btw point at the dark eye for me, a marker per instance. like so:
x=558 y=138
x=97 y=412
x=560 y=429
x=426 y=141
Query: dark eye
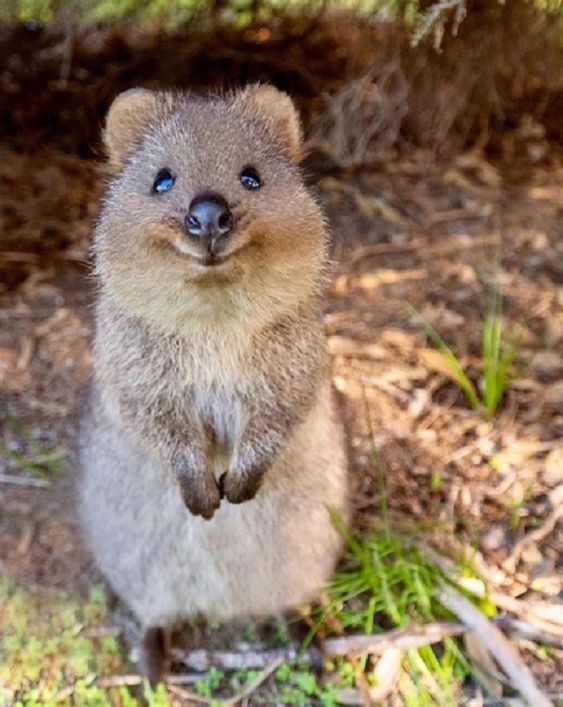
x=164 y=181
x=250 y=179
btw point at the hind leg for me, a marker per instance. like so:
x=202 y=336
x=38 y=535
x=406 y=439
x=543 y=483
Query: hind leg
x=153 y=659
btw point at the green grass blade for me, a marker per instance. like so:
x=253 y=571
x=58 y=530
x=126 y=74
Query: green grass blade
x=455 y=366
x=38 y=465
x=497 y=363
x=42 y=462
x=391 y=608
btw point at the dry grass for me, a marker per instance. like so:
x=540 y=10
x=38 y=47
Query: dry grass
x=497 y=69
x=377 y=101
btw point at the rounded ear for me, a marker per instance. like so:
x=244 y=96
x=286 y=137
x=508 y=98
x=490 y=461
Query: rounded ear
x=128 y=119
x=276 y=109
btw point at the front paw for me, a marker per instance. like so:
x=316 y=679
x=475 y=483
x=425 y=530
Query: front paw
x=201 y=499
x=239 y=486
x=199 y=489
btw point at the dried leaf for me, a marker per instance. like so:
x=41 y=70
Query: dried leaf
x=553 y=473
x=343 y=346
x=436 y=361
x=386 y=674
x=372 y=280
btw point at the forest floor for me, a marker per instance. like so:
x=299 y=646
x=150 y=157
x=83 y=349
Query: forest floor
x=439 y=236
x=413 y=231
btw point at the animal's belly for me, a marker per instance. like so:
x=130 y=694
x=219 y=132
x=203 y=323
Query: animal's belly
x=250 y=559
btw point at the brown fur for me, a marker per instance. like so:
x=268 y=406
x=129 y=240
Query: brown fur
x=211 y=382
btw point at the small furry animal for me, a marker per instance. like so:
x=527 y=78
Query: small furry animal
x=210 y=449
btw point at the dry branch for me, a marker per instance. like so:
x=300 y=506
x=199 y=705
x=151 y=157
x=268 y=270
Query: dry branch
x=535 y=536
x=541 y=614
x=119 y=681
x=355 y=645
x=504 y=653
x=202 y=659
x=403 y=639
x=255 y=684
x=190 y=697
x=423 y=250
x=24 y=481
x=371 y=251
x=527 y=630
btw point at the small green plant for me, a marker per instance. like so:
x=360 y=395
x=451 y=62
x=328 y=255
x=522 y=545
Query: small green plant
x=517 y=506
x=497 y=359
x=297 y=685
x=210 y=682
x=388 y=583
x=53 y=648
x=42 y=463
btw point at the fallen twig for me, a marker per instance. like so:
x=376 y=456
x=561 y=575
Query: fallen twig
x=119 y=681
x=384 y=249
x=402 y=638
x=345 y=346
x=203 y=660
x=542 y=614
x=421 y=247
x=18 y=256
x=105 y=683
x=355 y=645
x=24 y=481
x=386 y=673
x=504 y=653
x=525 y=629
x=534 y=536
x=109 y=682
x=185 y=679
x=255 y=684
x=455 y=215
x=191 y=697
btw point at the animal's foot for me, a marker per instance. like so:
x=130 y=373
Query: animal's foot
x=153 y=660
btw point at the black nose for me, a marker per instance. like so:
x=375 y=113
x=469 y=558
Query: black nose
x=209 y=218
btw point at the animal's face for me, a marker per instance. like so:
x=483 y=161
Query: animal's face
x=208 y=215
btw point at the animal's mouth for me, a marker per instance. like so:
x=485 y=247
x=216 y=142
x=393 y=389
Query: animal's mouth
x=215 y=260
x=205 y=259
x=211 y=260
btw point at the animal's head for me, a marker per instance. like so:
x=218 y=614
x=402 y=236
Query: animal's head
x=207 y=216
